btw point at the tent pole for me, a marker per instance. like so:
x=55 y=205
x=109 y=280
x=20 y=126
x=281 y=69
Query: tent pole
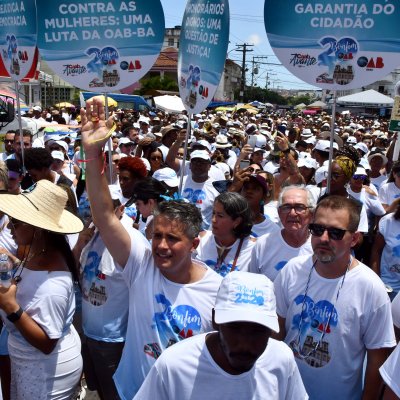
x=328 y=187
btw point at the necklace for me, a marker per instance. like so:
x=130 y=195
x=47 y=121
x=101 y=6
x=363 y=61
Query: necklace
x=18 y=271
x=296 y=344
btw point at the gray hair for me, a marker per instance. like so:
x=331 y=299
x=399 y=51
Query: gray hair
x=184 y=213
x=311 y=203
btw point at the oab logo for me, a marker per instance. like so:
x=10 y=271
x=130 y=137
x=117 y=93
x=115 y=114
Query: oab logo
x=370 y=64
x=203 y=91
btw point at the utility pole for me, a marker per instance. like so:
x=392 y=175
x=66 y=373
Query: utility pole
x=255 y=66
x=269 y=74
x=243 y=48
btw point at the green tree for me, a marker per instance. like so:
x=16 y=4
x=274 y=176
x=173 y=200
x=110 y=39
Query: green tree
x=158 y=83
x=306 y=99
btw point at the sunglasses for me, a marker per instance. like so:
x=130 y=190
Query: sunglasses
x=333 y=233
x=359 y=177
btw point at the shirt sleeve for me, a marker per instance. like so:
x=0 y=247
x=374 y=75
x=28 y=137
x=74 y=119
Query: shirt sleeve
x=282 y=305
x=390 y=371
x=383 y=195
x=254 y=264
x=51 y=313
x=396 y=310
x=139 y=259
x=295 y=387
x=153 y=387
x=377 y=326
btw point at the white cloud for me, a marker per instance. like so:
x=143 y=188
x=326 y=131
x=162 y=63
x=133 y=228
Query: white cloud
x=254 y=39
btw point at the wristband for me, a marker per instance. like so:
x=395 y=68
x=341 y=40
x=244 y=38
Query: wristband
x=287 y=151
x=15 y=316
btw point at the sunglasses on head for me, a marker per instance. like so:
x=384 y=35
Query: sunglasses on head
x=333 y=233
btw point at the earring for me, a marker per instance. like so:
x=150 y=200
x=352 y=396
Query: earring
x=262 y=203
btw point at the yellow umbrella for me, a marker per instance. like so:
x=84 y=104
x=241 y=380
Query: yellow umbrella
x=222 y=108
x=111 y=102
x=64 y=104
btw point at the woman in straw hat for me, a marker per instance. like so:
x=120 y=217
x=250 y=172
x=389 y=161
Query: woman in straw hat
x=39 y=305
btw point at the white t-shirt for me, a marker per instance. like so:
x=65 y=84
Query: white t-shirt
x=264 y=227
x=390 y=371
x=377 y=182
x=371 y=202
x=104 y=292
x=396 y=310
x=188 y=371
x=389 y=228
x=214 y=173
x=6 y=239
x=388 y=192
x=161 y=313
x=271 y=212
x=271 y=253
x=207 y=252
x=360 y=319
x=202 y=195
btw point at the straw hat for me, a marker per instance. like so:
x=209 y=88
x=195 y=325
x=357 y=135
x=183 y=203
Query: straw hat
x=42 y=206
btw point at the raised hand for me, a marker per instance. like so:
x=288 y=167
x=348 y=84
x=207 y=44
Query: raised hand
x=95 y=128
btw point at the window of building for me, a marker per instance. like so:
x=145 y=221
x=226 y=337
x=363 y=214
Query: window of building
x=171 y=42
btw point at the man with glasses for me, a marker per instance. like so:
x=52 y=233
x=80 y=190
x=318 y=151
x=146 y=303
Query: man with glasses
x=333 y=310
x=273 y=250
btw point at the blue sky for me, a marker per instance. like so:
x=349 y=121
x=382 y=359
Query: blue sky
x=246 y=26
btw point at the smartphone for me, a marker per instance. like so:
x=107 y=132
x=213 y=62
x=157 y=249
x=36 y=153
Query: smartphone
x=244 y=164
x=252 y=140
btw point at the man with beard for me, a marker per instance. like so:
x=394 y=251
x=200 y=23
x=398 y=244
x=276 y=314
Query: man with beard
x=333 y=309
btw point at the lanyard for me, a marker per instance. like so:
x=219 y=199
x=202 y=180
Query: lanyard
x=221 y=257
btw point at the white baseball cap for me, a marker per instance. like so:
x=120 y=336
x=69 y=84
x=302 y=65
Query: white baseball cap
x=321 y=174
x=246 y=297
x=323 y=145
x=124 y=140
x=362 y=146
x=200 y=154
x=351 y=140
x=167 y=175
x=58 y=155
x=307 y=162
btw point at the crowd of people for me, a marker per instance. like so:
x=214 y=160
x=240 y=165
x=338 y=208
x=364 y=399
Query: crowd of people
x=135 y=231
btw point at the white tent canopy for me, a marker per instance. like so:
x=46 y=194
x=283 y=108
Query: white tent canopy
x=317 y=104
x=367 y=98
x=167 y=103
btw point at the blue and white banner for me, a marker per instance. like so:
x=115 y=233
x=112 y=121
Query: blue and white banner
x=18 y=36
x=100 y=45
x=335 y=45
x=202 y=51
